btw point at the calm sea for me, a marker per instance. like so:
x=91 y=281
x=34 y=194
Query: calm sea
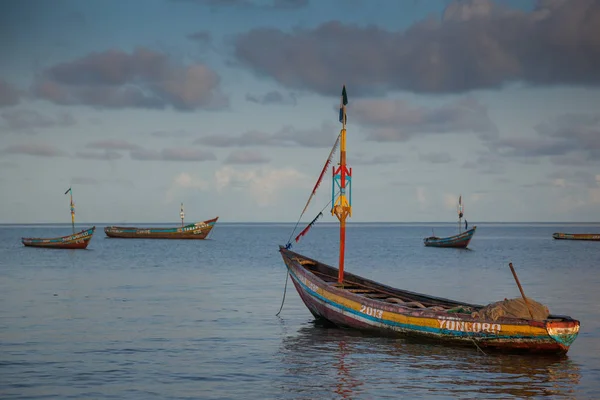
x=159 y=319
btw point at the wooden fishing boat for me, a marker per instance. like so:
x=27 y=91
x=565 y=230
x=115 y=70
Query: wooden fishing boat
x=199 y=230
x=79 y=240
x=351 y=301
x=457 y=241
x=576 y=236
x=363 y=304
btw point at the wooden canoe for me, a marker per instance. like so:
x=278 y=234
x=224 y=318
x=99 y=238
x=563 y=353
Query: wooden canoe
x=199 y=230
x=363 y=304
x=79 y=240
x=576 y=236
x=461 y=240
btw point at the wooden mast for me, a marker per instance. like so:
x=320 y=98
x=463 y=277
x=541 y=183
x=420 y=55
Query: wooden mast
x=181 y=214
x=342 y=179
x=70 y=191
x=460 y=213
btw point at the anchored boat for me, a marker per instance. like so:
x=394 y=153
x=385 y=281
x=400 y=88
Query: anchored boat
x=79 y=240
x=351 y=301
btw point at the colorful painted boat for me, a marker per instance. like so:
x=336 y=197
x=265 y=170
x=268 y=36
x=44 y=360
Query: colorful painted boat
x=79 y=240
x=350 y=301
x=366 y=305
x=576 y=236
x=199 y=230
x=457 y=241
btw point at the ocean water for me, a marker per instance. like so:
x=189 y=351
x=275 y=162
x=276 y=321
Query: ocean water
x=160 y=319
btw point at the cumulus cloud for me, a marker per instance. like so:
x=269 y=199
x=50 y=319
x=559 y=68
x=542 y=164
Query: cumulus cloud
x=273 y=97
x=397 y=120
x=34 y=149
x=185 y=181
x=173 y=154
x=143 y=78
x=246 y=157
x=29 y=121
x=9 y=95
x=286 y=136
x=262 y=184
x=476 y=44
x=568 y=139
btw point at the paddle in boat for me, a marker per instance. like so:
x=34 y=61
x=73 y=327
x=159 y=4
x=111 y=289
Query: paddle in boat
x=79 y=240
x=576 y=236
x=350 y=301
x=198 y=230
x=461 y=240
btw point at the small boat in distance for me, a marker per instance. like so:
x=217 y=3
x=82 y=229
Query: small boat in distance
x=198 y=230
x=459 y=241
x=576 y=236
x=79 y=240
x=350 y=301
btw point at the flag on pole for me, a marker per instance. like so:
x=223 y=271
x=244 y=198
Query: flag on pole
x=68 y=191
x=343 y=103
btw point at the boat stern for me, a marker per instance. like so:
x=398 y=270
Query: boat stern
x=564 y=332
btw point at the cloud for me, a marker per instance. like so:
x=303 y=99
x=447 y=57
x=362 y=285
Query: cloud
x=262 y=184
x=286 y=136
x=436 y=158
x=273 y=97
x=185 y=181
x=106 y=155
x=9 y=96
x=364 y=159
x=142 y=79
x=113 y=144
x=29 y=121
x=568 y=139
x=398 y=120
x=173 y=154
x=246 y=157
x=34 y=149
x=476 y=44
x=251 y=4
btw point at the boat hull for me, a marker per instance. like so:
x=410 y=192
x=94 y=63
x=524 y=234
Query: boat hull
x=79 y=240
x=576 y=236
x=351 y=308
x=199 y=230
x=460 y=241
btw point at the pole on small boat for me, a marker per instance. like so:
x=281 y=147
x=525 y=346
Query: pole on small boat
x=72 y=210
x=521 y=289
x=181 y=214
x=460 y=213
x=341 y=206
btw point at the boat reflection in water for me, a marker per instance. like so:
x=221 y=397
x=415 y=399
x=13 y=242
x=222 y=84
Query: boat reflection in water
x=326 y=362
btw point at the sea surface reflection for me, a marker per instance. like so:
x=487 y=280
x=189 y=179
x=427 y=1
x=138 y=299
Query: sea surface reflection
x=356 y=365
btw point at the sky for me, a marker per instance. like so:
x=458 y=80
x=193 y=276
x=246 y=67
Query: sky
x=231 y=107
